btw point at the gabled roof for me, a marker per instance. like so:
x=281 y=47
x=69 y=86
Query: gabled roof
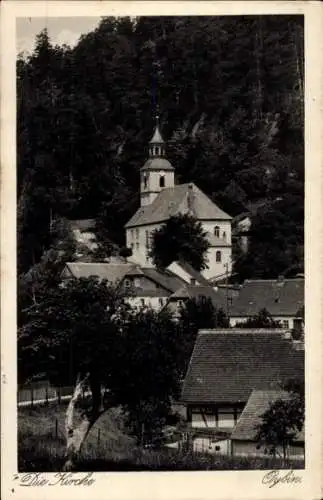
x=226 y=365
x=175 y=200
x=193 y=272
x=279 y=297
x=166 y=279
x=258 y=403
x=158 y=292
x=103 y=270
x=218 y=297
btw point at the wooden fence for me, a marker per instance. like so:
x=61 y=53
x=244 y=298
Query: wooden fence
x=42 y=393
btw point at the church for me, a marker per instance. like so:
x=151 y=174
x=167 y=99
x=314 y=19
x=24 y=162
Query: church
x=161 y=198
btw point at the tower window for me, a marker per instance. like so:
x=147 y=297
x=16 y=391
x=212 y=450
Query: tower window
x=145 y=181
x=218 y=256
x=217 y=231
x=162 y=181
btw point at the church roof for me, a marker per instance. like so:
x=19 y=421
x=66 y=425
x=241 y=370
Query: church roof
x=156 y=138
x=157 y=163
x=183 y=198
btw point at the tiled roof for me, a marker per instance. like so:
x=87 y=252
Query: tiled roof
x=111 y=272
x=258 y=403
x=171 y=201
x=226 y=365
x=140 y=292
x=193 y=272
x=218 y=297
x=280 y=298
x=165 y=279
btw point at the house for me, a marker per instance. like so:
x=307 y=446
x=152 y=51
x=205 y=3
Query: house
x=244 y=436
x=113 y=271
x=146 y=287
x=187 y=273
x=218 y=298
x=150 y=287
x=282 y=298
x=225 y=367
x=161 y=198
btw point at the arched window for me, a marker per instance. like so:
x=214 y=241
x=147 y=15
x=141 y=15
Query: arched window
x=218 y=256
x=162 y=181
x=217 y=231
x=224 y=235
x=145 y=181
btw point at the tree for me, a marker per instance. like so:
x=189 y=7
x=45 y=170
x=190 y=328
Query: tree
x=283 y=420
x=149 y=379
x=181 y=238
x=70 y=336
x=84 y=332
x=262 y=320
x=196 y=314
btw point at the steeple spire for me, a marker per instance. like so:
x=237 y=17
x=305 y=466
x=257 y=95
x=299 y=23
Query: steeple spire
x=157 y=143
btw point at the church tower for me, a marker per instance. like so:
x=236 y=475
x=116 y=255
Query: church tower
x=157 y=173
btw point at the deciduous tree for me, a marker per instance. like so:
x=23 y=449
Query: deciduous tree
x=180 y=238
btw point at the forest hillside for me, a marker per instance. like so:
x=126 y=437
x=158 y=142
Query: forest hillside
x=230 y=93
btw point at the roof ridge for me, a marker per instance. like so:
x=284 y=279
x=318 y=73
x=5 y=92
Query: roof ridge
x=275 y=280
x=230 y=330
x=102 y=263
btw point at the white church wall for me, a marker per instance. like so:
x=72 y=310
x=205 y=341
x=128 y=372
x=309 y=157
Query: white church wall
x=224 y=229
x=218 y=268
x=150 y=185
x=136 y=239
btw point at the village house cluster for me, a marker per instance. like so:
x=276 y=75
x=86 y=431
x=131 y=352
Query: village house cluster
x=234 y=373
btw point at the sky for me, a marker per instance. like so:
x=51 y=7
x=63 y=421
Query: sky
x=61 y=30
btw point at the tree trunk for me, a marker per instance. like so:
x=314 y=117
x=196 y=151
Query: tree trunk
x=75 y=436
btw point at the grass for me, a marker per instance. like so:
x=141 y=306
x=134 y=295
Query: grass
x=109 y=448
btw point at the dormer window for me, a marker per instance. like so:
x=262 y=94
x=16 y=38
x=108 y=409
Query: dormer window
x=162 y=181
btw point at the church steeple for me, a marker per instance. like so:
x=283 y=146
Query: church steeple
x=157 y=173
x=157 y=143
